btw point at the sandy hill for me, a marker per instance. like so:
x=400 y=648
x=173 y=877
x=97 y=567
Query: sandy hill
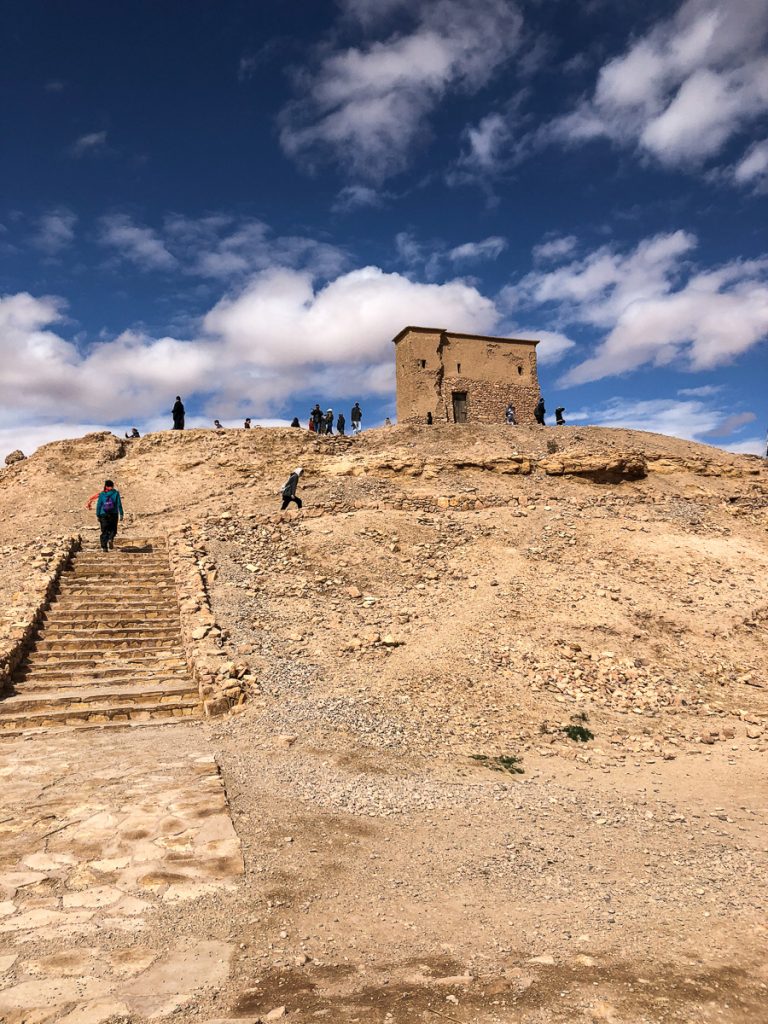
x=474 y=585
x=354 y=842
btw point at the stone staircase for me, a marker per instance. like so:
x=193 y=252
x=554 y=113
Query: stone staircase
x=109 y=651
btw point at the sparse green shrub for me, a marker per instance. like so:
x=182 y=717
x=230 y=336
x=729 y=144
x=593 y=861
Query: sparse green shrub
x=502 y=763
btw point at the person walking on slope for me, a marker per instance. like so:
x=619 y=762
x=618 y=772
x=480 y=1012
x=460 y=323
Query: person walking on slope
x=509 y=415
x=108 y=508
x=356 y=417
x=289 y=490
x=328 y=422
x=559 y=420
x=539 y=411
x=341 y=424
x=178 y=414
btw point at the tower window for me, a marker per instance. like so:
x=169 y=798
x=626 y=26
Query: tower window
x=423 y=364
x=520 y=371
x=458 y=367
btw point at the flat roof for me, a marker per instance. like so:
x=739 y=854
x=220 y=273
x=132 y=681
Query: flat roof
x=458 y=334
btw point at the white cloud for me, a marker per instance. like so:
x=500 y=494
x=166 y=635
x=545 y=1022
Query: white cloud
x=750 y=446
x=92 y=144
x=277 y=336
x=55 y=231
x=554 y=248
x=485 y=148
x=351 y=320
x=552 y=346
x=470 y=252
x=216 y=246
x=753 y=167
x=369 y=12
x=732 y=424
x=432 y=258
x=139 y=245
x=690 y=419
x=685 y=89
x=357 y=197
x=701 y=392
x=655 y=308
x=367 y=106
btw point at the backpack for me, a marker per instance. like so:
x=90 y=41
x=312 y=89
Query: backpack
x=109 y=505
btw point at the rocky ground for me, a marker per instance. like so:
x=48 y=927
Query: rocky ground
x=424 y=834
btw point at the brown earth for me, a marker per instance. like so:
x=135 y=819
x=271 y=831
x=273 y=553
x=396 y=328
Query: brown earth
x=451 y=599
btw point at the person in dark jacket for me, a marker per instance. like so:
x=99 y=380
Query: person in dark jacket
x=341 y=424
x=539 y=411
x=289 y=490
x=559 y=416
x=356 y=417
x=317 y=418
x=247 y=424
x=328 y=422
x=133 y=434
x=295 y=422
x=108 y=508
x=178 y=414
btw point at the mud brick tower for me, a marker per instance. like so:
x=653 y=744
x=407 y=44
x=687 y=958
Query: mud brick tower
x=463 y=378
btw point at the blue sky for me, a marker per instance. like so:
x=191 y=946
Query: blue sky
x=243 y=202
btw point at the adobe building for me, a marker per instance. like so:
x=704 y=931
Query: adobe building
x=463 y=378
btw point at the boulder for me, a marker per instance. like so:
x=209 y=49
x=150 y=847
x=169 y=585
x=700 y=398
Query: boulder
x=17 y=456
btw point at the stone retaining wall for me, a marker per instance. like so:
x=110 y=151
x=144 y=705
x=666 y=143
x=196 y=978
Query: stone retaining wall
x=22 y=618
x=222 y=683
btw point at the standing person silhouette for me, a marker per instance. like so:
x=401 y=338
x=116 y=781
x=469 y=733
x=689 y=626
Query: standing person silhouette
x=356 y=417
x=178 y=414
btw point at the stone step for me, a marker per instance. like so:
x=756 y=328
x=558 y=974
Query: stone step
x=67 y=603
x=107 y=563
x=126 y=713
x=116 y=588
x=106 y=646
x=116 y=580
x=88 y=698
x=97 y=557
x=68 y=631
x=86 y=619
x=109 y=653
x=98 y=727
x=66 y=659
x=124 y=675
x=140 y=684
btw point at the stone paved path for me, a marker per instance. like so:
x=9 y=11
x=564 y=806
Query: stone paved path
x=104 y=847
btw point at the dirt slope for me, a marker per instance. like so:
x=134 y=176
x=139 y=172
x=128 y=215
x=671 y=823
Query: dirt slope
x=446 y=597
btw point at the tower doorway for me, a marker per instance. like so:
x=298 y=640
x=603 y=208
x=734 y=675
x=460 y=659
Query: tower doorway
x=459 y=406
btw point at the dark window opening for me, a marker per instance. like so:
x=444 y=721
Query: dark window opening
x=458 y=367
x=520 y=370
x=423 y=364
